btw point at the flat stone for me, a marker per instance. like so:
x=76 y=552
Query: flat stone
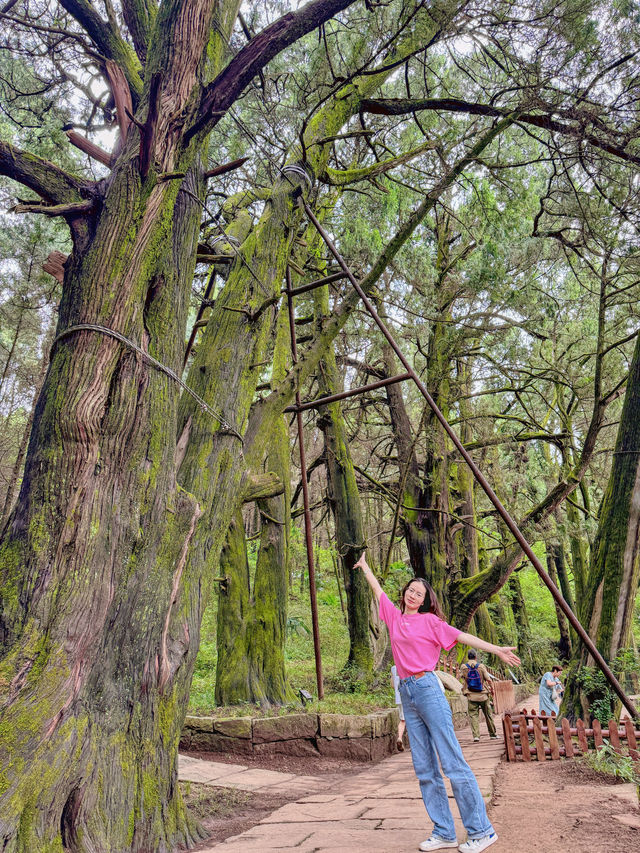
x=344 y=725
x=384 y=722
x=288 y=727
x=340 y=813
x=199 y=724
x=254 y=778
x=353 y=748
x=195 y=770
x=239 y=727
x=300 y=747
x=213 y=742
x=383 y=746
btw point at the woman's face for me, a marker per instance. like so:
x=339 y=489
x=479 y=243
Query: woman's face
x=414 y=597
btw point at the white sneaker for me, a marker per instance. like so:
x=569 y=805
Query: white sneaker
x=435 y=843
x=475 y=845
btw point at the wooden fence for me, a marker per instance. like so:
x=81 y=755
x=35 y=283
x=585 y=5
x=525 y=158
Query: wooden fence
x=536 y=736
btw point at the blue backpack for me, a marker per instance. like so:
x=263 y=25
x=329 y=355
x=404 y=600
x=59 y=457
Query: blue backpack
x=474 y=681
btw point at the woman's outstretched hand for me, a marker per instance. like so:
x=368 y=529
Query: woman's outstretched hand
x=506 y=654
x=362 y=563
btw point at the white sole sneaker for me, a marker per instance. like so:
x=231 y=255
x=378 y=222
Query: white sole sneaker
x=475 y=845
x=434 y=843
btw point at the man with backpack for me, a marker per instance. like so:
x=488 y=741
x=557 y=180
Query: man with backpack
x=477 y=689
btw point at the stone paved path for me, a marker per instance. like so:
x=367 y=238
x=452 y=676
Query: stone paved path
x=378 y=810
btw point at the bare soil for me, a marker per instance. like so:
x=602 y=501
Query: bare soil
x=224 y=812
x=559 y=806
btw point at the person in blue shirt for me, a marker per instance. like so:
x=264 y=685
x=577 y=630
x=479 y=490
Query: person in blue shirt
x=547 y=691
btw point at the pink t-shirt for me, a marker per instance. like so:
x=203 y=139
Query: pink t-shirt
x=417 y=638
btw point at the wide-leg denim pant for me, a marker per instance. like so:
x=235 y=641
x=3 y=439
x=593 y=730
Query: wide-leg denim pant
x=431 y=736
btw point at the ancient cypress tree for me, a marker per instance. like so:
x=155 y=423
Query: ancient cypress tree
x=100 y=600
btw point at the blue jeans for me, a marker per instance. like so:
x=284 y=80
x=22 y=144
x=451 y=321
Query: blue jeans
x=431 y=735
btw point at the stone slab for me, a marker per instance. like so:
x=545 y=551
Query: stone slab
x=237 y=727
x=356 y=748
x=300 y=747
x=199 y=724
x=344 y=725
x=253 y=778
x=288 y=727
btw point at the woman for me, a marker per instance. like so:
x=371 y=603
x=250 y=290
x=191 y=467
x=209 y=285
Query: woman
x=418 y=632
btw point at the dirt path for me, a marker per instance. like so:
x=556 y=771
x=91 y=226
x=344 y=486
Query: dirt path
x=555 y=807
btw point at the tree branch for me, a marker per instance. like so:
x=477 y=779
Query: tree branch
x=108 y=41
x=139 y=16
x=339 y=177
x=221 y=94
x=74 y=209
x=400 y=106
x=52 y=183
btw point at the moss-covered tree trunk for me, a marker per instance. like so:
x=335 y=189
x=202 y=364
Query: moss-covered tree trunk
x=614 y=572
x=466 y=537
x=523 y=626
x=344 y=498
x=252 y=622
x=96 y=541
x=556 y=567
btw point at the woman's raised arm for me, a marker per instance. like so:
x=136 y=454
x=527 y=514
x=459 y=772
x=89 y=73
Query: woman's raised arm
x=505 y=653
x=371 y=578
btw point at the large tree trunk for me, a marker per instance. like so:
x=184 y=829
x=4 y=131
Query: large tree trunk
x=467 y=537
x=556 y=567
x=615 y=565
x=252 y=625
x=87 y=590
x=349 y=528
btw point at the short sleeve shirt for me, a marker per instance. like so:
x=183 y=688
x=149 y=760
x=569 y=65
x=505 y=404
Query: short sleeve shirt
x=416 y=638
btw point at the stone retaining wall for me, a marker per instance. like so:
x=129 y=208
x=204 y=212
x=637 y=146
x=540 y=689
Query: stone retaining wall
x=363 y=737
x=366 y=737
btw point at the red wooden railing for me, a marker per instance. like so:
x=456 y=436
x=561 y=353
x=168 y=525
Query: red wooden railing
x=529 y=736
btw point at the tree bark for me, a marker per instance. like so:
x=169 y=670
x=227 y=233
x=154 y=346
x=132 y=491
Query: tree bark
x=344 y=498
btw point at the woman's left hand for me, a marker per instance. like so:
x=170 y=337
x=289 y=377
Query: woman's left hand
x=506 y=654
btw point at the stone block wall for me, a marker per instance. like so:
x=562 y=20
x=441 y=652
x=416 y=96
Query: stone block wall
x=367 y=737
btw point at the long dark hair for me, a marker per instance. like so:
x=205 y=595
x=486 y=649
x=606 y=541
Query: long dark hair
x=430 y=603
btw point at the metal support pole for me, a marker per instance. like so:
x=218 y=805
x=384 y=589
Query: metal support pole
x=324 y=401
x=305 y=500
x=513 y=527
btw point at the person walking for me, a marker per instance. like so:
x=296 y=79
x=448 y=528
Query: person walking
x=477 y=689
x=548 y=691
x=418 y=632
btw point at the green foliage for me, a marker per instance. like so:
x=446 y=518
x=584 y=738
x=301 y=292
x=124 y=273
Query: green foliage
x=602 y=700
x=295 y=625
x=615 y=765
